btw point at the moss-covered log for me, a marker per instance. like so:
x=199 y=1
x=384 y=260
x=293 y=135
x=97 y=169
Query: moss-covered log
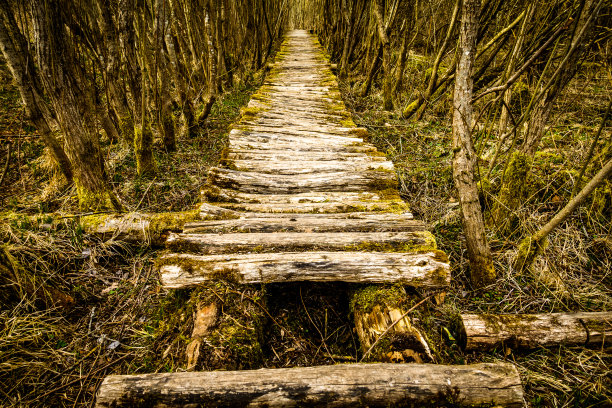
x=349 y=385
x=141 y=228
x=386 y=332
x=485 y=331
x=429 y=269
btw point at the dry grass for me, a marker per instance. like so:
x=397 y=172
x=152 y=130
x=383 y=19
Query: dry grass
x=573 y=274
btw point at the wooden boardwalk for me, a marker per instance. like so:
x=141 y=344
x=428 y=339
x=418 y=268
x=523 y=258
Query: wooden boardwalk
x=301 y=196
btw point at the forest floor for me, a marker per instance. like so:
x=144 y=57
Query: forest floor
x=115 y=318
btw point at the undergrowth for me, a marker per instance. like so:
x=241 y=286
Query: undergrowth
x=573 y=274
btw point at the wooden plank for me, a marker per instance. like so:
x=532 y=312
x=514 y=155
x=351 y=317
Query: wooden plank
x=216 y=194
x=284 y=155
x=261 y=183
x=428 y=270
x=306 y=223
x=486 y=331
x=324 y=208
x=207 y=243
x=297 y=133
x=347 y=385
x=309 y=166
x=296 y=147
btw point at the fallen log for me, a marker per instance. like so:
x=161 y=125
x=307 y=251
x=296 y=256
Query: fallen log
x=486 y=331
x=301 y=241
x=428 y=270
x=347 y=385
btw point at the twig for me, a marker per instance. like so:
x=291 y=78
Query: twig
x=391 y=326
x=145 y=194
x=8 y=159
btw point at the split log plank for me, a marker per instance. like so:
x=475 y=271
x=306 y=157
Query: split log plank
x=301 y=241
x=347 y=385
x=261 y=183
x=428 y=270
x=216 y=194
x=283 y=155
x=309 y=166
x=306 y=224
x=324 y=208
x=486 y=331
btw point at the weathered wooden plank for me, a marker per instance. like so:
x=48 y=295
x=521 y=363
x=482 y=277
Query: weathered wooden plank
x=307 y=223
x=296 y=132
x=350 y=385
x=397 y=206
x=207 y=243
x=485 y=331
x=295 y=147
x=429 y=269
x=309 y=166
x=261 y=183
x=283 y=155
x=216 y=194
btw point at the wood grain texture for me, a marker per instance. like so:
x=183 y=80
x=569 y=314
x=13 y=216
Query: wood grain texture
x=261 y=183
x=373 y=385
x=207 y=243
x=486 y=331
x=428 y=270
x=307 y=223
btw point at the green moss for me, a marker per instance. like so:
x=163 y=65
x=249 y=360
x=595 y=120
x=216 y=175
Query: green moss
x=528 y=250
x=365 y=299
x=512 y=192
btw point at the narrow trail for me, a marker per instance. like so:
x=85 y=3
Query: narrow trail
x=301 y=197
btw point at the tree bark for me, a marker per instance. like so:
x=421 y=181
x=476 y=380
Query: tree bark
x=57 y=61
x=482 y=272
x=21 y=64
x=344 y=385
x=524 y=331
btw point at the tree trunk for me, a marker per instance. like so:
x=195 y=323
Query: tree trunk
x=464 y=157
x=58 y=62
x=21 y=64
x=143 y=136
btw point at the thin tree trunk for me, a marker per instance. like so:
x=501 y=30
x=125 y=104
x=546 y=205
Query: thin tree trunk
x=464 y=158
x=532 y=246
x=143 y=136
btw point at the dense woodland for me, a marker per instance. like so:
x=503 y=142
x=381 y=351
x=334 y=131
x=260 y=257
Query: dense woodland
x=495 y=113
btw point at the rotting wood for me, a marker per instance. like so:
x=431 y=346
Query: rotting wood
x=301 y=241
x=486 y=331
x=429 y=269
x=386 y=333
x=345 y=385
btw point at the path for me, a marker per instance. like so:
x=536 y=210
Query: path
x=302 y=197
